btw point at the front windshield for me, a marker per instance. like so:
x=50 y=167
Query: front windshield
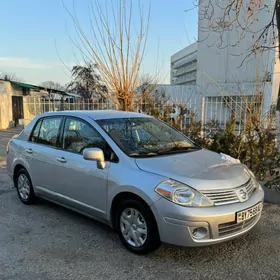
x=146 y=136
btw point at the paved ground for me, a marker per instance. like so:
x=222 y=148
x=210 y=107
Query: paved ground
x=45 y=241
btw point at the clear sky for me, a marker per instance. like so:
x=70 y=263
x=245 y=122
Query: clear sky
x=35 y=36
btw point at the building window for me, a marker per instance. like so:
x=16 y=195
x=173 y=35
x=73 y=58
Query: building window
x=25 y=91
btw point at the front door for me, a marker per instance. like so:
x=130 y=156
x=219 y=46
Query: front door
x=79 y=182
x=17 y=103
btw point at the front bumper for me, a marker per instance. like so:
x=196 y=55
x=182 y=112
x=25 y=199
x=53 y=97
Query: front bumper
x=177 y=223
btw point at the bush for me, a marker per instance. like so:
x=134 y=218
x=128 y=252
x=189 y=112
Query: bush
x=254 y=146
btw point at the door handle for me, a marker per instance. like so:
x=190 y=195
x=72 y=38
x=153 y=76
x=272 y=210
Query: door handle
x=62 y=160
x=29 y=151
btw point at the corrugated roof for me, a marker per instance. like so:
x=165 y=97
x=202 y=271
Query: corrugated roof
x=23 y=85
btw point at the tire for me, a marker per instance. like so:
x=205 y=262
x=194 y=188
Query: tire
x=138 y=217
x=24 y=187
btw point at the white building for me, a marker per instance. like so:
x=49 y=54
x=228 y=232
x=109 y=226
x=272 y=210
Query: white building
x=179 y=94
x=184 y=66
x=223 y=78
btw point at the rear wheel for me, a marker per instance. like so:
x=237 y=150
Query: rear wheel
x=137 y=227
x=24 y=187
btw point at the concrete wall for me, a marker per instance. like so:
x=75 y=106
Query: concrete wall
x=222 y=69
x=183 y=95
x=222 y=61
x=16 y=90
x=6 y=115
x=29 y=114
x=6 y=109
x=4 y=88
x=178 y=94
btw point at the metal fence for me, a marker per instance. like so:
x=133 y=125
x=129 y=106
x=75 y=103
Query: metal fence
x=196 y=109
x=38 y=105
x=223 y=108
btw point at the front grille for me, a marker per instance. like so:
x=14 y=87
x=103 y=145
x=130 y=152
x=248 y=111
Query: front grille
x=232 y=227
x=220 y=197
x=229 y=196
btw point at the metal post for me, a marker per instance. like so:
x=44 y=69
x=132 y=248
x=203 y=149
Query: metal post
x=202 y=116
x=39 y=105
x=34 y=104
x=49 y=103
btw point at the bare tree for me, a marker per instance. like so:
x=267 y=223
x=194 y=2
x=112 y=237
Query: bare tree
x=9 y=76
x=147 y=86
x=53 y=85
x=151 y=98
x=244 y=16
x=116 y=43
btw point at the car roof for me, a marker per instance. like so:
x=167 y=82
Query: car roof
x=98 y=114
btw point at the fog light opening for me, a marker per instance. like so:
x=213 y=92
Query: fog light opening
x=200 y=232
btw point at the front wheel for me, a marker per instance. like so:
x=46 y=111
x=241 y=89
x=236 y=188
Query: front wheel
x=137 y=227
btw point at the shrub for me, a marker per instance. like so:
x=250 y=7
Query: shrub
x=253 y=146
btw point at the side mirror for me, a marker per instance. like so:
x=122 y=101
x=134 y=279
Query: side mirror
x=95 y=154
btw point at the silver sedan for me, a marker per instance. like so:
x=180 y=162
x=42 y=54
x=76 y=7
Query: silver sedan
x=137 y=174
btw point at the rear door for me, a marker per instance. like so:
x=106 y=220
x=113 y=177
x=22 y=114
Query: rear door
x=40 y=152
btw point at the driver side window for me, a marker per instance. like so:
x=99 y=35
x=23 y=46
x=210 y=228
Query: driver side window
x=79 y=135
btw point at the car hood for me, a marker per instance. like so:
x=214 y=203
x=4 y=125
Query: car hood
x=202 y=170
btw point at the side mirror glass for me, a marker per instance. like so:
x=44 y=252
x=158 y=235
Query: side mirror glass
x=95 y=154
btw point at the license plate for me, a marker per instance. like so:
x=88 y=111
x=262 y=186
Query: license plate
x=249 y=213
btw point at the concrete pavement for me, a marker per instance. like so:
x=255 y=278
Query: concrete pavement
x=47 y=242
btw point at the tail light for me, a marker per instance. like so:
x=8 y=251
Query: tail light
x=8 y=145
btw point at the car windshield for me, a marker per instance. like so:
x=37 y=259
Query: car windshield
x=145 y=137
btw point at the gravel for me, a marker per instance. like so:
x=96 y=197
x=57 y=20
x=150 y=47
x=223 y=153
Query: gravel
x=45 y=241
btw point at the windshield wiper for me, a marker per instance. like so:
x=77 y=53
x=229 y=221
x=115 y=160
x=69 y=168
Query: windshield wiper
x=143 y=154
x=175 y=150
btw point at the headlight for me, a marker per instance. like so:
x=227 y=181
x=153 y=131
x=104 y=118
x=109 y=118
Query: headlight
x=182 y=194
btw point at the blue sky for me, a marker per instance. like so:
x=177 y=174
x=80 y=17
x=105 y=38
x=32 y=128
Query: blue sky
x=35 y=36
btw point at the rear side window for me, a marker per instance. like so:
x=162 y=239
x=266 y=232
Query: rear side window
x=46 y=131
